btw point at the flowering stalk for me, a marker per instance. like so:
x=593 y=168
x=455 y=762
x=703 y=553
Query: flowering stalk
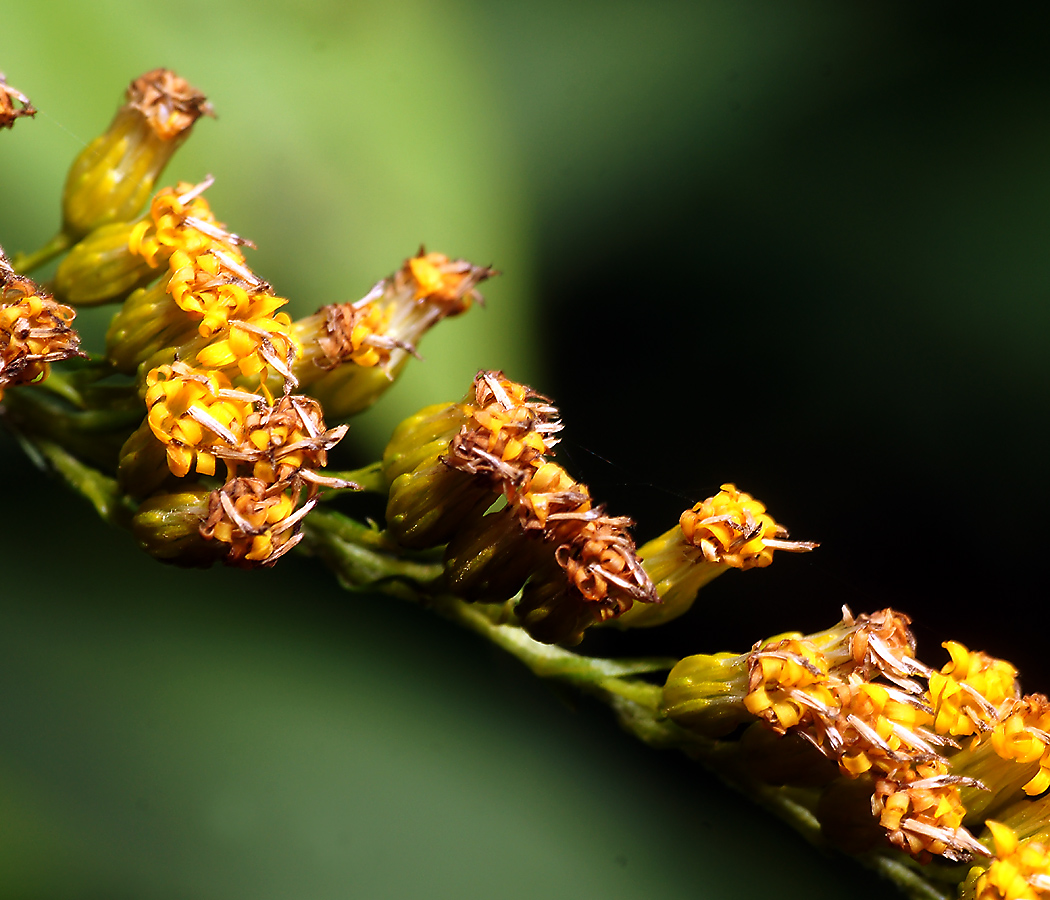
x=205 y=428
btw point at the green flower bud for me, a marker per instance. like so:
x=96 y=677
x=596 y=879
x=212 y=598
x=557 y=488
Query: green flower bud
x=551 y=611
x=705 y=693
x=490 y=559
x=102 y=269
x=143 y=467
x=432 y=502
x=167 y=526
x=410 y=444
x=149 y=321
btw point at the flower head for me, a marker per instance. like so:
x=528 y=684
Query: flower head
x=35 y=331
x=352 y=352
x=114 y=175
x=729 y=530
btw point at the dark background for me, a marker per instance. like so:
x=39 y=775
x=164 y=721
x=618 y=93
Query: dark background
x=801 y=247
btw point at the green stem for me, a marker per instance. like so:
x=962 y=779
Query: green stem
x=27 y=262
x=364 y=557
x=100 y=490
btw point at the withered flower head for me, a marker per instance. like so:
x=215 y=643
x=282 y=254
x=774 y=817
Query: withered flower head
x=508 y=430
x=450 y=464
x=168 y=103
x=35 y=331
x=258 y=520
x=10 y=95
x=590 y=572
x=114 y=175
x=283 y=440
x=352 y=352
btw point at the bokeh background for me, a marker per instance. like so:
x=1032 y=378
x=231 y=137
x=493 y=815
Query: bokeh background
x=799 y=246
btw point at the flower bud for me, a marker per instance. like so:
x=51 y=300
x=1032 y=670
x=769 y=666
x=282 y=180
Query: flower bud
x=148 y=322
x=101 y=269
x=490 y=558
x=409 y=444
x=114 y=175
x=168 y=527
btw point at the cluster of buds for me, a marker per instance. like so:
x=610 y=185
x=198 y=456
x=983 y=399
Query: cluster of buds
x=35 y=331
x=923 y=758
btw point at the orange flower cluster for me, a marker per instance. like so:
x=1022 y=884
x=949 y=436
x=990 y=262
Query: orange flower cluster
x=35 y=331
x=940 y=752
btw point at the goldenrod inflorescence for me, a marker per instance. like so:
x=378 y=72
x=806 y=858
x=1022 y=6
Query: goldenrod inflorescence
x=204 y=428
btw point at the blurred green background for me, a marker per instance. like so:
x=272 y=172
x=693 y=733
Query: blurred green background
x=800 y=246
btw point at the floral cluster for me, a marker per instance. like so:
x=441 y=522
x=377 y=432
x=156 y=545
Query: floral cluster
x=215 y=359
x=35 y=331
x=203 y=428
x=937 y=755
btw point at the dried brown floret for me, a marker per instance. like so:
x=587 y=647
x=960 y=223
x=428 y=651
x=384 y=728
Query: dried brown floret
x=169 y=103
x=9 y=96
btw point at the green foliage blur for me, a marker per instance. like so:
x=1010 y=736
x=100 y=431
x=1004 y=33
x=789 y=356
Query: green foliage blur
x=796 y=245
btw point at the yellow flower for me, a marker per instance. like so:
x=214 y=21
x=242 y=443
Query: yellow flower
x=728 y=530
x=1019 y=871
x=193 y=413
x=35 y=331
